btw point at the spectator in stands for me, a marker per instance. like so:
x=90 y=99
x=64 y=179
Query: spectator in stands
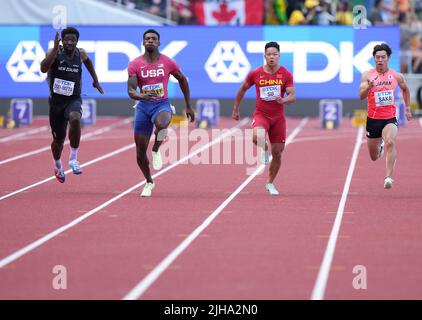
x=389 y=12
x=130 y=4
x=276 y=12
x=417 y=6
x=181 y=11
x=405 y=52
x=324 y=17
x=410 y=43
x=378 y=15
x=298 y=16
x=155 y=7
x=344 y=15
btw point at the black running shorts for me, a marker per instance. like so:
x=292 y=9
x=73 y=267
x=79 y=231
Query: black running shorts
x=59 y=115
x=374 y=127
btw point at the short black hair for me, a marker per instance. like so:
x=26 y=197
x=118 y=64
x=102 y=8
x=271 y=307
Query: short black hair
x=70 y=30
x=382 y=47
x=151 y=31
x=272 y=44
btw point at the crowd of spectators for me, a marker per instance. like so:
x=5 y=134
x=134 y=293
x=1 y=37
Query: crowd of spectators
x=407 y=14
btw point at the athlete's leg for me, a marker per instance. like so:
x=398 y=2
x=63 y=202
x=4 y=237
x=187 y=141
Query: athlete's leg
x=374 y=137
x=142 y=142
x=374 y=145
x=389 y=134
x=276 y=150
x=74 y=110
x=57 y=148
x=73 y=114
x=259 y=137
x=161 y=121
x=277 y=136
x=74 y=129
x=58 y=126
x=142 y=134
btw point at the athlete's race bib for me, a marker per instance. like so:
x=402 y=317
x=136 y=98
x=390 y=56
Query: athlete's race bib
x=269 y=93
x=155 y=89
x=384 y=98
x=63 y=87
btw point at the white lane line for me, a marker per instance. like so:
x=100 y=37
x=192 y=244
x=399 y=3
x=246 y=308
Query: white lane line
x=324 y=270
x=23 y=134
x=33 y=245
x=83 y=137
x=146 y=282
x=320 y=138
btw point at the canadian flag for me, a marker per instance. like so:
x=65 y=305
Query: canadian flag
x=229 y=12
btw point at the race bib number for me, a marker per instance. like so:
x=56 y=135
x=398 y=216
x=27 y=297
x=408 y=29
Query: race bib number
x=270 y=93
x=384 y=98
x=63 y=87
x=155 y=89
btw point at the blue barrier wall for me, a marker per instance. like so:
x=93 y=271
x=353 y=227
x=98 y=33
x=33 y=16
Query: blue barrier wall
x=326 y=62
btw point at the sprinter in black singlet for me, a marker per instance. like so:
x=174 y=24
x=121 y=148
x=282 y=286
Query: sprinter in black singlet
x=64 y=67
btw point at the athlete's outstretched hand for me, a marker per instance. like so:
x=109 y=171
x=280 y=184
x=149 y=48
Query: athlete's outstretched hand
x=98 y=87
x=235 y=114
x=371 y=83
x=56 y=41
x=190 y=114
x=408 y=114
x=149 y=96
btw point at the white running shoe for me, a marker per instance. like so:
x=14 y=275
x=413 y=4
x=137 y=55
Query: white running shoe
x=59 y=173
x=388 y=182
x=74 y=165
x=271 y=189
x=157 y=162
x=147 y=189
x=265 y=157
x=381 y=152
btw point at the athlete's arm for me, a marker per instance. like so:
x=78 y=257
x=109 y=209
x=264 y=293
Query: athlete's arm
x=365 y=85
x=132 y=85
x=406 y=94
x=88 y=64
x=184 y=86
x=291 y=96
x=239 y=96
x=51 y=55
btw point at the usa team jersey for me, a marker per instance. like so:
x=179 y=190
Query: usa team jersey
x=268 y=88
x=381 y=103
x=153 y=78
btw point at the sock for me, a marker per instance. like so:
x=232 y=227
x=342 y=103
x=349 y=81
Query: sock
x=73 y=154
x=58 y=164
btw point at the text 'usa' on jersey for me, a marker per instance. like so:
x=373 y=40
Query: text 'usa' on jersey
x=64 y=76
x=153 y=78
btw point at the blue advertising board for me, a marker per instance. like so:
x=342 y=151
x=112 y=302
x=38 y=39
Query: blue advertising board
x=330 y=113
x=22 y=111
x=89 y=112
x=208 y=110
x=326 y=62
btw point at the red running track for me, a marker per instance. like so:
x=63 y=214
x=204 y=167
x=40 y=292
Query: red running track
x=257 y=247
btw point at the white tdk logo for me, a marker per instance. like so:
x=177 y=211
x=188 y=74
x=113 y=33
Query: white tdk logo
x=227 y=63
x=24 y=63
